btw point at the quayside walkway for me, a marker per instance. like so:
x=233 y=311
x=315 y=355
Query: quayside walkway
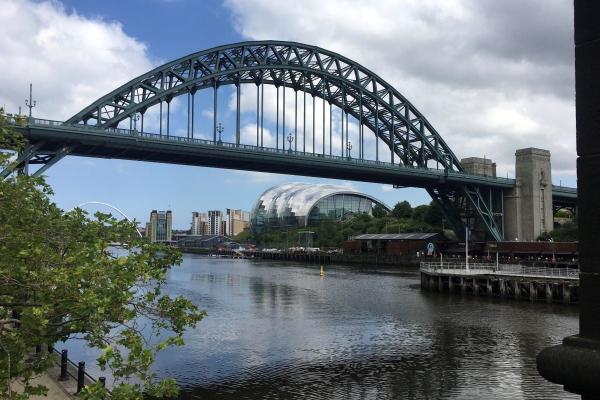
x=502 y=280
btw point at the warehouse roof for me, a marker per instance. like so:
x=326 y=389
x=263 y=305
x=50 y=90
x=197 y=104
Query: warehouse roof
x=395 y=236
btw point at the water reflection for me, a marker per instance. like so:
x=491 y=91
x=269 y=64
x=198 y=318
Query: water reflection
x=278 y=330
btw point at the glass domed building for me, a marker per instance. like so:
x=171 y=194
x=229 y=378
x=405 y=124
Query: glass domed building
x=304 y=204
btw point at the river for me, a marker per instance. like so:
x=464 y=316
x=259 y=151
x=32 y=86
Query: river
x=278 y=330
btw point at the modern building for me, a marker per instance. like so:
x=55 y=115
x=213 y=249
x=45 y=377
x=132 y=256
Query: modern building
x=215 y=222
x=159 y=229
x=304 y=204
x=199 y=223
x=236 y=221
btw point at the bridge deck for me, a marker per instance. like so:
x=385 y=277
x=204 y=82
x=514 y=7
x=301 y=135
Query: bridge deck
x=89 y=141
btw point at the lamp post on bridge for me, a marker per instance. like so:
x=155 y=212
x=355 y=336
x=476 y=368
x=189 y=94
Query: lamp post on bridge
x=349 y=149
x=30 y=103
x=290 y=139
x=136 y=118
x=220 y=130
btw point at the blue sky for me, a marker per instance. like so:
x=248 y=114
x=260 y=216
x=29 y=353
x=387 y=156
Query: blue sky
x=139 y=35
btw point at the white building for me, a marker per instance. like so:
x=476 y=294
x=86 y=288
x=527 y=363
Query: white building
x=215 y=222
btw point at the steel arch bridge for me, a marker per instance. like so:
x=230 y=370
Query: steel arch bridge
x=418 y=155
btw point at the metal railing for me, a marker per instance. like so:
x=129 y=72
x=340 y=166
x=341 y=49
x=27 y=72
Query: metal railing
x=69 y=369
x=500 y=269
x=434 y=172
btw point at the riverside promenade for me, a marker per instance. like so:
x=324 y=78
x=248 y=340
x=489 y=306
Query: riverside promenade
x=502 y=280
x=56 y=390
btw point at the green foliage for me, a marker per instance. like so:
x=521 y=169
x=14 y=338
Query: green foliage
x=567 y=232
x=379 y=211
x=434 y=215
x=402 y=209
x=60 y=275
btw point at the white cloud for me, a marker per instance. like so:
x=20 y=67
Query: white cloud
x=70 y=59
x=253 y=177
x=490 y=76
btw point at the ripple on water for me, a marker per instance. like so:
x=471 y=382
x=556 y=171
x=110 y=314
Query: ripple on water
x=277 y=330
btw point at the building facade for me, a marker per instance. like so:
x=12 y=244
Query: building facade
x=199 y=223
x=236 y=221
x=160 y=227
x=215 y=222
x=303 y=204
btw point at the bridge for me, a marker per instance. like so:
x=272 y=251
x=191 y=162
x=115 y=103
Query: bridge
x=416 y=155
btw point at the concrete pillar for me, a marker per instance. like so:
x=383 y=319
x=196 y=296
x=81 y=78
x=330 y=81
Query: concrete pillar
x=528 y=207
x=463 y=285
x=489 y=287
x=517 y=290
x=532 y=291
x=475 y=287
x=450 y=284
x=549 y=292
x=502 y=288
x=440 y=283
x=575 y=363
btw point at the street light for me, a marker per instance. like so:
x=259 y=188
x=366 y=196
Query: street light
x=349 y=148
x=30 y=103
x=290 y=139
x=136 y=118
x=220 y=130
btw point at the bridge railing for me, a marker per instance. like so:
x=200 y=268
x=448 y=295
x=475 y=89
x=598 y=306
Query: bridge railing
x=154 y=136
x=347 y=159
x=500 y=269
x=21 y=121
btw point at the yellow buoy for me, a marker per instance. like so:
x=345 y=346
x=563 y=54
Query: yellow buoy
x=322 y=271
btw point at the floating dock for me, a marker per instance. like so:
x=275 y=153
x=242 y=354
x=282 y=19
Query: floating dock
x=519 y=282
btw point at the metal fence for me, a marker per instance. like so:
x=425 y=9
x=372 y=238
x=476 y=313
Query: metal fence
x=500 y=269
x=434 y=172
x=76 y=371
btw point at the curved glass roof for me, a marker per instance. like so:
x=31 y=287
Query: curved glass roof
x=297 y=199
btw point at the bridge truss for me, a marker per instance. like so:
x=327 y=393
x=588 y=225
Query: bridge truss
x=377 y=107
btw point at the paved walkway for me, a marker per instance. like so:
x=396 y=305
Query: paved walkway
x=56 y=390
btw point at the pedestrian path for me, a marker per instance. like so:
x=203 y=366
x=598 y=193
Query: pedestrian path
x=56 y=390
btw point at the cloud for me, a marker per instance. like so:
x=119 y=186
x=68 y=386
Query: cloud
x=253 y=177
x=70 y=59
x=490 y=76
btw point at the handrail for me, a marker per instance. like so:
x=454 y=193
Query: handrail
x=435 y=172
x=76 y=367
x=500 y=269
x=439 y=173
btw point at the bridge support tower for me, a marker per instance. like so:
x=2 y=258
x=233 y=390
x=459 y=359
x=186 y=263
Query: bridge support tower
x=528 y=206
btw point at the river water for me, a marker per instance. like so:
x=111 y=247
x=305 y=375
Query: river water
x=278 y=330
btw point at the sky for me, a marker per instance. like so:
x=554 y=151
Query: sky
x=490 y=76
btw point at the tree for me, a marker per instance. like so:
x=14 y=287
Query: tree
x=434 y=215
x=419 y=212
x=327 y=231
x=379 y=211
x=568 y=232
x=402 y=209
x=59 y=277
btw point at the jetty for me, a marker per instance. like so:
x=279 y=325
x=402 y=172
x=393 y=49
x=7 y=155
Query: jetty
x=502 y=280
